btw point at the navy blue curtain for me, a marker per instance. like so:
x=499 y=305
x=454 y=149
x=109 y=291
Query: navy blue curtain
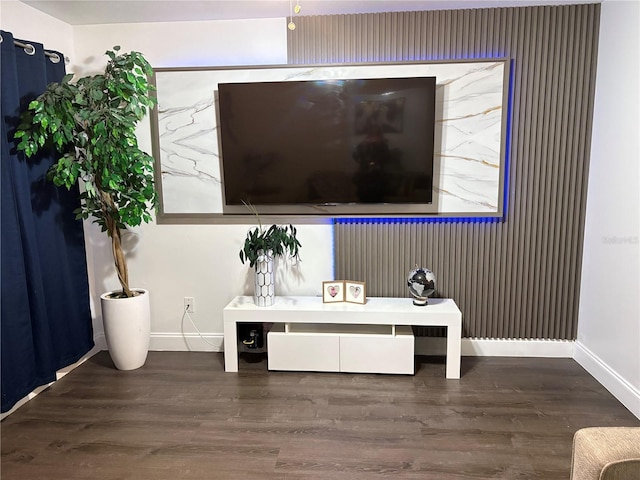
x=46 y=319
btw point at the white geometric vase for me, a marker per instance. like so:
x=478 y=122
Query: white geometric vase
x=127 y=328
x=264 y=293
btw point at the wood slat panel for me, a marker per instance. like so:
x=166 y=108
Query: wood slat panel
x=519 y=278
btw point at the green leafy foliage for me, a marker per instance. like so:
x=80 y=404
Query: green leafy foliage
x=276 y=239
x=91 y=123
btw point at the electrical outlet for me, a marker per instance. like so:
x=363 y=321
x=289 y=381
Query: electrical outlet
x=189 y=304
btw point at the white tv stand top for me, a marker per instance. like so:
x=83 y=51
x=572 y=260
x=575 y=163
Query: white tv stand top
x=377 y=311
x=440 y=312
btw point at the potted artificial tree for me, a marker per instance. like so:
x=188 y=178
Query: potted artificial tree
x=92 y=122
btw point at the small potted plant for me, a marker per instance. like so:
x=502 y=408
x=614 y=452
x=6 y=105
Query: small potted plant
x=260 y=248
x=91 y=122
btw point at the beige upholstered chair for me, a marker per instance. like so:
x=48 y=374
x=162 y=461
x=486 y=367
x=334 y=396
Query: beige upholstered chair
x=606 y=453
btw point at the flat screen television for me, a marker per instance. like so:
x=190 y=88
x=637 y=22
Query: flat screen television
x=328 y=147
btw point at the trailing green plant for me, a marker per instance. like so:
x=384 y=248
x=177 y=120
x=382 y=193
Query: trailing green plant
x=276 y=239
x=92 y=122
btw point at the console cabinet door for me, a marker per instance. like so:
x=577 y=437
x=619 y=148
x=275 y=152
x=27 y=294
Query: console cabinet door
x=378 y=353
x=303 y=352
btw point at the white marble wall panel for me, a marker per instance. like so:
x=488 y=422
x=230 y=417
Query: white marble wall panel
x=470 y=111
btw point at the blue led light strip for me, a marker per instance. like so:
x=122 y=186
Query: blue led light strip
x=403 y=220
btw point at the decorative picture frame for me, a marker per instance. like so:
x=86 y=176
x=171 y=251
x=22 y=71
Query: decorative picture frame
x=355 y=292
x=333 y=291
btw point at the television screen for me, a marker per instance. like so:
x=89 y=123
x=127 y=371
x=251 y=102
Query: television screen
x=332 y=145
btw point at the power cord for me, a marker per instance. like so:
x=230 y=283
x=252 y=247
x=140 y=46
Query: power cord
x=186 y=312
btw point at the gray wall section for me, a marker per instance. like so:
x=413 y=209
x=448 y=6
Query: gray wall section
x=517 y=278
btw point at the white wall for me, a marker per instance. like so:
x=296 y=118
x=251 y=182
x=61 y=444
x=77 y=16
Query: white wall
x=193 y=44
x=608 y=343
x=27 y=23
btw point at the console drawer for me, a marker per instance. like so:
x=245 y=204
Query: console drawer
x=302 y=351
x=341 y=348
x=378 y=353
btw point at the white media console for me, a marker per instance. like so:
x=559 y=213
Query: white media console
x=309 y=335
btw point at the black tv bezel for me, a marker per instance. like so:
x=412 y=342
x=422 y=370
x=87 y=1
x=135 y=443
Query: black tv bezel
x=336 y=210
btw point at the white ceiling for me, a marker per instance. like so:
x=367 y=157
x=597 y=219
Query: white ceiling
x=88 y=12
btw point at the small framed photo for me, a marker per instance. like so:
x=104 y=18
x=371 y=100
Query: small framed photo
x=355 y=292
x=332 y=292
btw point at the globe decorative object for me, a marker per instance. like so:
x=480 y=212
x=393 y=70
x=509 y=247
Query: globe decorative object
x=421 y=283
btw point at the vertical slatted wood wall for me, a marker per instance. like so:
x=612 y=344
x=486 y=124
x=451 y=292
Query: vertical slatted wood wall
x=516 y=278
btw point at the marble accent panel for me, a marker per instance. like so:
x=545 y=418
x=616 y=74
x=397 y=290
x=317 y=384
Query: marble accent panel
x=469 y=144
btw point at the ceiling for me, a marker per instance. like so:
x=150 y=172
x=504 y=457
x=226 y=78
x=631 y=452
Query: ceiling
x=88 y=12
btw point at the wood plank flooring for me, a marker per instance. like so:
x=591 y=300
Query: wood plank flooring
x=182 y=417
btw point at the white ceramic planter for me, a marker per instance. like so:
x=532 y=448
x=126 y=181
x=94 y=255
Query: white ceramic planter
x=127 y=328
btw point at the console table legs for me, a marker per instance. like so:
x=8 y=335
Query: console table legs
x=453 y=350
x=230 y=347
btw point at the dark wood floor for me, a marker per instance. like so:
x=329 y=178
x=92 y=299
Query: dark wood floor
x=182 y=417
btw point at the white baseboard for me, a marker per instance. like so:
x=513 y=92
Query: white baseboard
x=59 y=374
x=490 y=347
x=188 y=342
x=100 y=341
x=475 y=347
x=620 y=388
x=177 y=342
